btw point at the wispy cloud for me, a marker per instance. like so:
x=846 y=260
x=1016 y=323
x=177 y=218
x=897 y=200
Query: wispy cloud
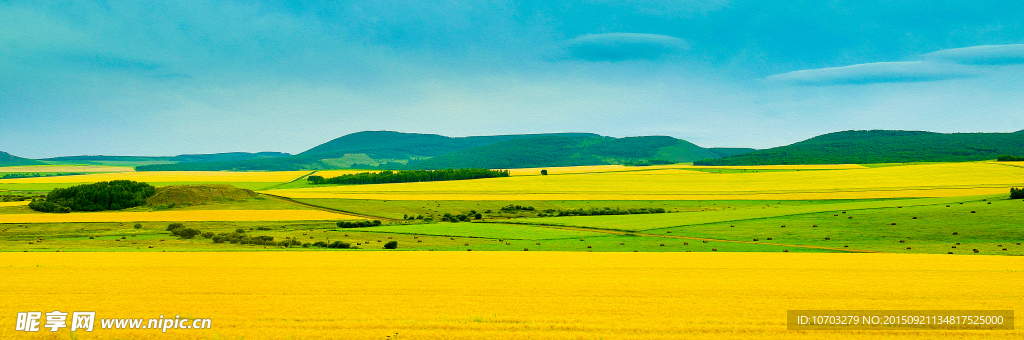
x=624 y=46
x=884 y=72
x=946 y=64
x=981 y=55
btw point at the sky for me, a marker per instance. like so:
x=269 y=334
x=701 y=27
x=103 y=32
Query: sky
x=183 y=77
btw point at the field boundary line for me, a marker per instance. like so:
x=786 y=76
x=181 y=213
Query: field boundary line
x=291 y=181
x=337 y=211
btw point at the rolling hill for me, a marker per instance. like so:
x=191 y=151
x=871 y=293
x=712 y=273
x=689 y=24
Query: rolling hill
x=7 y=159
x=562 y=150
x=883 y=146
x=142 y=160
x=396 y=150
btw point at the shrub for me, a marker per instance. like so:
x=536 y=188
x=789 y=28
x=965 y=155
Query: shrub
x=185 y=233
x=544 y=172
x=339 y=245
x=240 y=231
x=43 y=205
x=208 y=234
x=358 y=224
x=138 y=226
x=262 y=228
x=172 y=226
x=289 y=243
x=1016 y=193
x=320 y=244
x=391 y=245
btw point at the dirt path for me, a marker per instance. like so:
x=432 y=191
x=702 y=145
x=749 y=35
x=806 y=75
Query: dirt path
x=338 y=211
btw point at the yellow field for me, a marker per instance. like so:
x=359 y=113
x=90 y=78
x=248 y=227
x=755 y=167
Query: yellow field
x=170 y=176
x=620 y=168
x=500 y=295
x=927 y=180
x=66 y=168
x=183 y=216
x=13 y=204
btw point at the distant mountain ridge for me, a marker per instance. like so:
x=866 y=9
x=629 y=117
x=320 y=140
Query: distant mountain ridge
x=187 y=158
x=883 y=146
x=396 y=150
x=568 y=151
x=7 y=159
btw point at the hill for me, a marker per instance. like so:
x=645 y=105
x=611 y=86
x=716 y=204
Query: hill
x=144 y=160
x=571 y=150
x=7 y=159
x=884 y=146
x=368 y=149
x=198 y=194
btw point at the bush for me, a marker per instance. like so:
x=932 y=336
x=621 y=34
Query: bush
x=544 y=172
x=43 y=205
x=172 y=226
x=320 y=244
x=358 y=224
x=391 y=245
x=1016 y=193
x=138 y=226
x=262 y=228
x=185 y=233
x=208 y=234
x=289 y=243
x=339 y=245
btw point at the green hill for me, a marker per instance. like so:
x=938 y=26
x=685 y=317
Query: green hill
x=368 y=149
x=567 y=150
x=7 y=159
x=145 y=160
x=884 y=146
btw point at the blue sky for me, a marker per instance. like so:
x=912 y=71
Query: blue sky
x=175 y=77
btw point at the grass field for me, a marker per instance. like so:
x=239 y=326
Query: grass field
x=524 y=295
x=741 y=225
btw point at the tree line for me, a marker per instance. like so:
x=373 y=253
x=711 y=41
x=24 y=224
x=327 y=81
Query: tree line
x=598 y=212
x=1009 y=158
x=403 y=176
x=112 y=195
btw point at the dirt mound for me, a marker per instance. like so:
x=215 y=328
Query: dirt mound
x=198 y=194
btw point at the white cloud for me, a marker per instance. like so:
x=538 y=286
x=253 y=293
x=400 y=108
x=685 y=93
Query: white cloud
x=981 y=55
x=884 y=72
x=624 y=46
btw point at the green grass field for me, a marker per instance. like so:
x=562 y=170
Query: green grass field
x=958 y=225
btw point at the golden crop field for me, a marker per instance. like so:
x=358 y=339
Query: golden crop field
x=500 y=295
x=926 y=180
x=13 y=204
x=170 y=176
x=66 y=168
x=182 y=216
x=621 y=168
